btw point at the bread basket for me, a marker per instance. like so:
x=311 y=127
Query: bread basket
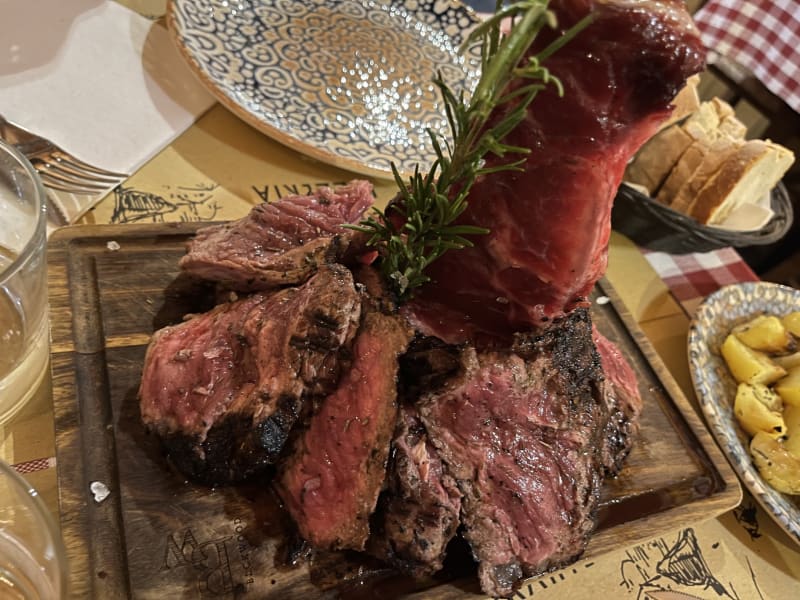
x=655 y=226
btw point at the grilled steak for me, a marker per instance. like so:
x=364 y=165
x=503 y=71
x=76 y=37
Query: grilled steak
x=624 y=403
x=420 y=511
x=521 y=433
x=551 y=222
x=513 y=410
x=279 y=243
x=224 y=388
x=331 y=480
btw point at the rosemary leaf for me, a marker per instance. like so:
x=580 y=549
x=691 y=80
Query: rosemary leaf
x=428 y=205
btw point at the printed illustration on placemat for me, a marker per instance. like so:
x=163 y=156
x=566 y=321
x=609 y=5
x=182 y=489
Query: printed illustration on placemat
x=660 y=571
x=191 y=203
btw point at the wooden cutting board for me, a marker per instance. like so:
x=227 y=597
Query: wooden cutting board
x=157 y=536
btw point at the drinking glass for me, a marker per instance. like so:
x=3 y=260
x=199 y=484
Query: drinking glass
x=32 y=557
x=24 y=332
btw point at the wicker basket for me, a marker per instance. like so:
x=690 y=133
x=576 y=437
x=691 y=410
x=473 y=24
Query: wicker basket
x=652 y=225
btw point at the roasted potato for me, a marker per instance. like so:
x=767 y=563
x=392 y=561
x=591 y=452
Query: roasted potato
x=765 y=333
x=777 y=466
x=787 y=361
x=759 y=409
x=763 y=357
x=788 y=387
x=792 y=323
x=791 y=417
x=748 y=365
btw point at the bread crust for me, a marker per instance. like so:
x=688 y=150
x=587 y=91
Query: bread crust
x=704 y=158
x=755 y=168
x=703 y=166
x=657 y=157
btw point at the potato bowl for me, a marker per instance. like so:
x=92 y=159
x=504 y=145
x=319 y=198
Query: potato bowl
x=715 y=387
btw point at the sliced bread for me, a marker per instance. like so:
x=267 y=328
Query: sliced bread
x=702 y=122
x=685 y=102
x=700 y=161
x=733 y=127
x=656 y=158
x=722 y=108
x=753 y=170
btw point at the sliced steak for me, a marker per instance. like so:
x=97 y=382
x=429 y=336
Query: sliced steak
x=279 y=243
x=419 y=511
x=224 y=388
x=521 y=433
x=624 y=402
x=331 y=480
x=550 y=222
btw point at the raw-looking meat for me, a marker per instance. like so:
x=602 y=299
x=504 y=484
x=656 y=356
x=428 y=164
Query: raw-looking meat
x=224 y=388
x=521 y=433
x=331 y=480
x=279 y=243
x=420 y=511
x=550 y=223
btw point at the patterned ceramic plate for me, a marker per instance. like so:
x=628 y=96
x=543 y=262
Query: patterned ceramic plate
x=348 y=82
x=715 y=387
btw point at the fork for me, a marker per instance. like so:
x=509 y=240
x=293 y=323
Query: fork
x=57 y=168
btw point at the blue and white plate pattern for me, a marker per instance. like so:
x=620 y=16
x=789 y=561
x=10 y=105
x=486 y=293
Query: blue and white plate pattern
x=348 y=82
x=716 y=389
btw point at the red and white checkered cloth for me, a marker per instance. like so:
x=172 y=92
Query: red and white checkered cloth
x=31 y=466
x=761 y=35
x=692 y=277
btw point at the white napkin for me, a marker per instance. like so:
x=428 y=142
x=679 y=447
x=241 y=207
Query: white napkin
x=749 y=216
x=96 y=78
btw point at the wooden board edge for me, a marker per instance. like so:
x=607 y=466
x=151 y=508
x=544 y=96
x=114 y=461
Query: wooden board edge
x=70 y=233
x=731 y=495
x=93 y=529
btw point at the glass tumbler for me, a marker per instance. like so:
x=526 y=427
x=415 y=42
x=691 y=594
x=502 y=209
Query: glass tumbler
x=32 y=557
x=24 y=331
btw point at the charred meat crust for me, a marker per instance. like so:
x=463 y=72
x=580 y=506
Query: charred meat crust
x=280 y=243
x=522 y=438
x=235 y=448
x=621 y=392
x=333 y=473
x=419 y=512
x=225 y=407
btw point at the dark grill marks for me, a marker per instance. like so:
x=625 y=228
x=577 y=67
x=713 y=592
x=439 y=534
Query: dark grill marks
x=333 y=473
x=268 y=355
x=419 y=512
x=280 y=243
x=521 y=437
x=509 y=444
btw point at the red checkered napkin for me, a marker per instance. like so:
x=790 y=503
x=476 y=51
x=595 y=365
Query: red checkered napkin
x=691 y=277
x=762 y=35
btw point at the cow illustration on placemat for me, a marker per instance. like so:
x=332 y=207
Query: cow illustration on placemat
x=192 y=203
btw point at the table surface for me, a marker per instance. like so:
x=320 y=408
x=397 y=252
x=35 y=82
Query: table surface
x=220 y=167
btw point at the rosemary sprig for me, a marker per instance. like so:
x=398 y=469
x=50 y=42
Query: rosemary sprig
x=421 y=224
